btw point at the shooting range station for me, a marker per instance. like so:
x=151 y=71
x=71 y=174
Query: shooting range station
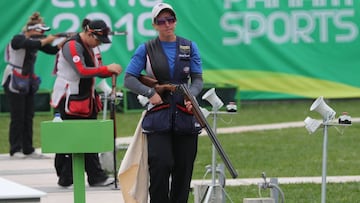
x=215 y=191
x=77 y=137
x=251 y=51
x=328 y=116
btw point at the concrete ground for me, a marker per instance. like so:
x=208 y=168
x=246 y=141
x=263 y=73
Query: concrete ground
x=39 y=174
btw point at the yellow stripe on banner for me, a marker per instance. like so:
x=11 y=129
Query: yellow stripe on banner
x=281 y=83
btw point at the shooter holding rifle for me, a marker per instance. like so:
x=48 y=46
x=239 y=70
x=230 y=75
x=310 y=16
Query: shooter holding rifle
x=169 y=125
x=74 y=94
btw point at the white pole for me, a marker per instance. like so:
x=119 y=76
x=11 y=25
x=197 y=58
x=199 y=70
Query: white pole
x=214 y=154
x=323 y=185
x=211 y=191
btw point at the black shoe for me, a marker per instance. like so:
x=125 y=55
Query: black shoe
x=107 y=182
x=65 y=182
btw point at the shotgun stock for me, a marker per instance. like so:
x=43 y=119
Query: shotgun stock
x=151 y=82
x=148 y=81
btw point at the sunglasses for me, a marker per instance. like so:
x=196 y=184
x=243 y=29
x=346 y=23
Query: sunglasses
x=96 y=37
x=39 y=30
x=162 y=21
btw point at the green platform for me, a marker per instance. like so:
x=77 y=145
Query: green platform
x=77 y=137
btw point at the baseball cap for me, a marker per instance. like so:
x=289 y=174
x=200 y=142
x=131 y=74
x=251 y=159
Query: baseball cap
x=38 y=27
x=160 y=7
x=100 y=29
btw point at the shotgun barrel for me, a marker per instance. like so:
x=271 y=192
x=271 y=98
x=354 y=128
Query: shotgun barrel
x=203 y=122
x=113 y=117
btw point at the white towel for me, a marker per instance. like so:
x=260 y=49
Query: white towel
x=133 y=173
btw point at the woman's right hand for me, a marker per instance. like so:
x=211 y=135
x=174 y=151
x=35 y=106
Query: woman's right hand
x=155 y=99
x=114 y=68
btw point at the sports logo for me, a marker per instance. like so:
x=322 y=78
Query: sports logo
x=76 y=58
x=184 y=49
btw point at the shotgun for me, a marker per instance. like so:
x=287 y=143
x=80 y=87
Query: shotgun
x=113 y=117
x=69 y=34
x=151 y=82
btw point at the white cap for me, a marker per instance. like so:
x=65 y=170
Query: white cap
x=158 y=8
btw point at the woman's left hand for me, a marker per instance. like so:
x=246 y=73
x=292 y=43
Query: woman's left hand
x=188 y=105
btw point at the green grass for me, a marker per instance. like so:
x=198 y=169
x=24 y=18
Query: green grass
x=280 y=153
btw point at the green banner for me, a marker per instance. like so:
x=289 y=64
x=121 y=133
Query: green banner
x=268 y=49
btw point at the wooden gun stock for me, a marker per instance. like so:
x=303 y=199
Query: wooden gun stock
x=151 y=82
x=148 y=81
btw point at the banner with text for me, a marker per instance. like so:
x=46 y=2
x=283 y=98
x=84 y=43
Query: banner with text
x=268 y=49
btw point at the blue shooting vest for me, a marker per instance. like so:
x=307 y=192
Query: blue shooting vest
x=173 y=111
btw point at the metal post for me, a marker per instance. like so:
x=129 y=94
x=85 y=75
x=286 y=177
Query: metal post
x=213 y=168
x=222 y=179
x=274 y=193
x=211 y=190
x=323 y=185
